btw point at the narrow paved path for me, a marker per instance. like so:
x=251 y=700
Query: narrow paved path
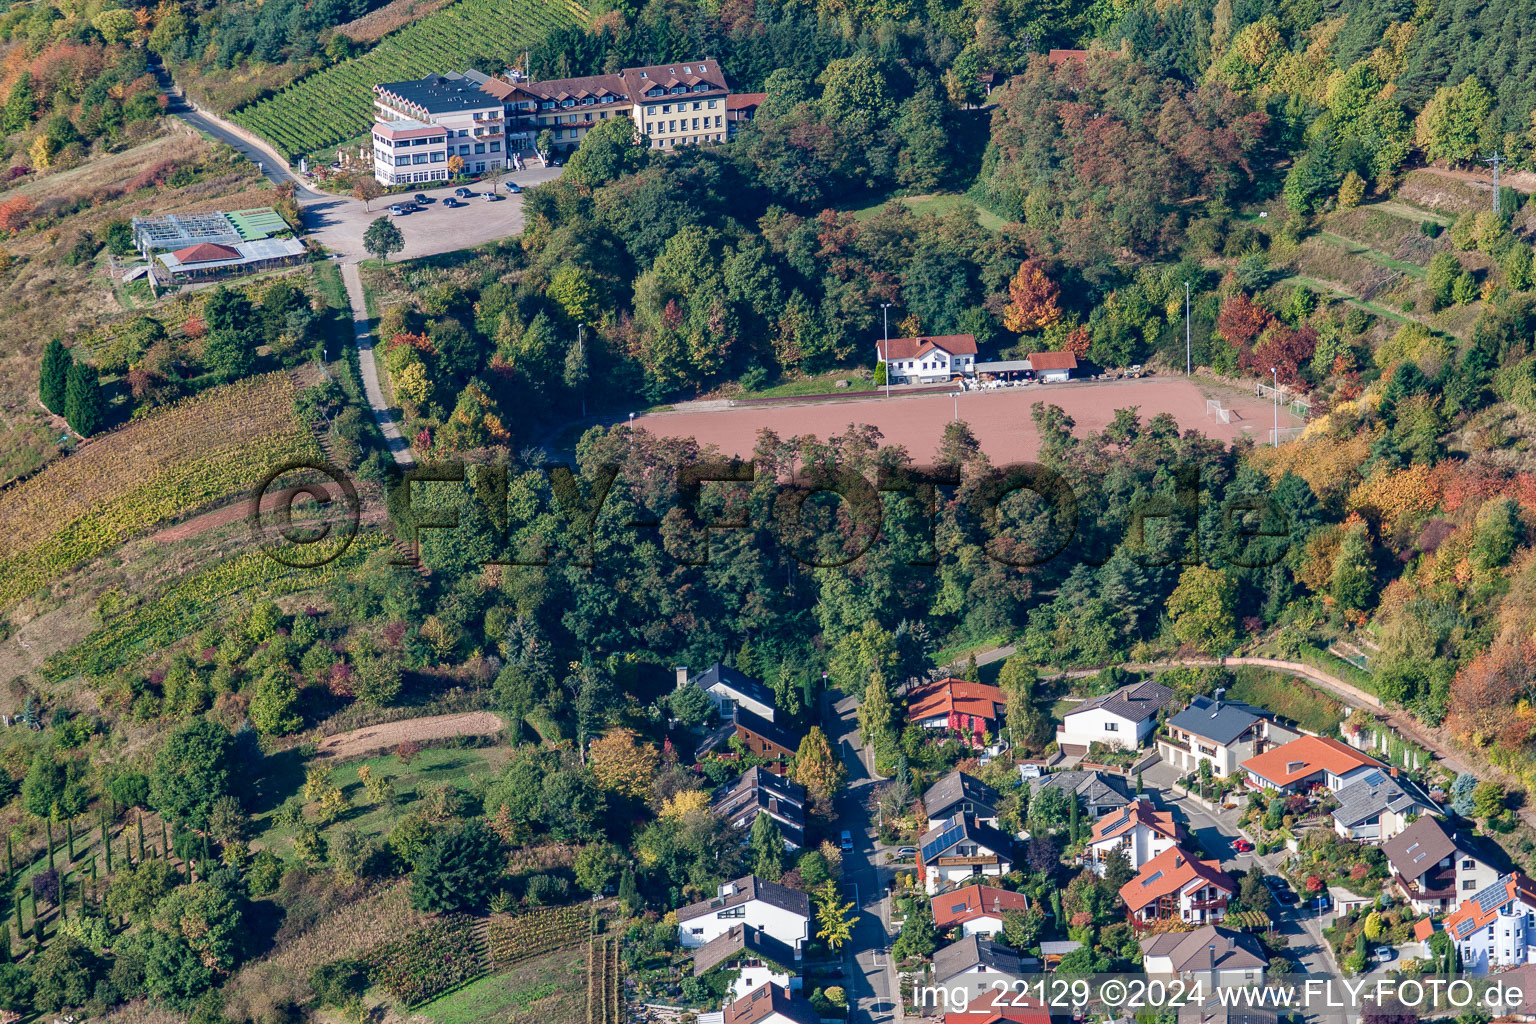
x=362 y=334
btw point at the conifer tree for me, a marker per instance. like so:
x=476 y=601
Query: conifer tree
x=53 y=376
x=83 y=405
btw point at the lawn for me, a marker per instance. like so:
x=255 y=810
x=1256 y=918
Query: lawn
x=430 y=770
x=1288 y=697
x=550 y=989
x=937 y=205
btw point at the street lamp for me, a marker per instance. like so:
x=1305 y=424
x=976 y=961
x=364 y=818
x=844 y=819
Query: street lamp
x=1188 y=363
x=885 y=312
x=631 y=431
x=1274 y=373
x=956 y=396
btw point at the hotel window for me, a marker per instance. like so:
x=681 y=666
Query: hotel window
x=438 y=158
x=495 y=147
x=711 y=104
x=695 y=124
x=479 y=147
x=666 y=108
x=671 y=126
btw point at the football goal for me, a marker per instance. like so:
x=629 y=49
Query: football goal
x=1214 y=408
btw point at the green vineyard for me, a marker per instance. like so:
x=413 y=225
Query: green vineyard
x=336 y=104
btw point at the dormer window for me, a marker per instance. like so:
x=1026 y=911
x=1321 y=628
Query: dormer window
x=642 y=74
x=687 y=70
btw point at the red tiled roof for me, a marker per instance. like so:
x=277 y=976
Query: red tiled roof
x=1307 y=756
x=1169 y=872
x=1139 y=812
x=911 y=348
x=206 y=252
x=1423 y=929
x=1000 y=1008
x=1475 y=913
x=952 y=908
x=1062 y=56
x=743 y=100
x=767 y=1000
x=1052 y=361
x=955 y=695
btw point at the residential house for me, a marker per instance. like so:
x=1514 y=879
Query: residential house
x=759 y=737
x=774 y=909
x=1225 y=733
x=1124 y=718
x=1297 y=766
x=419 y=125
x=1377 y=806
x=1436 y=868
x=759 y=791
x=729 y=689
x=741 y=107
x=1214 y=957
x=959 y=793
x=975 y=965
x=927 y=360
x=970 y=708
x=1496 y=926
x=1052 y=367
x=758 y=958
x=959 y=849
x=672 y=105
x=996 y=1007
x=976 y=909
x=1097 y=793
x=1138 y=830
x=1174 y=885
x=769 y=1004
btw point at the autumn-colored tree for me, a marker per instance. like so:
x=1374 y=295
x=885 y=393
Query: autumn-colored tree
x=13 y=214
x=367 y=189
x=1033 y=299
x=455 y=165
x=1393 y=498
x=622 y=764
x=1201 y=608
x=1078 y=341
x=1487 y=690
x=1283 y=349
x=680 y=805
x=1242 y=321
x=817 y=768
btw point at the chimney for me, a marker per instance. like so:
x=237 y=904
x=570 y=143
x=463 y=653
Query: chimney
x=1221 y=693
x=682 y=675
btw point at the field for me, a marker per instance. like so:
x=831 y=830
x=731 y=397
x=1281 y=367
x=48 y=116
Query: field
x=550 y=989
x=132 y=478
x=936 y=205
x=1000 y=419
x=1289 y=698
x=337 y=103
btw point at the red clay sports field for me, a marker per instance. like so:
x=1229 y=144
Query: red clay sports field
x=1000 y=419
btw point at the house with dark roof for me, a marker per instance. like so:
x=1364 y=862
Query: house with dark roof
x=976 y=909
x=1097 y=793
x=975 y=964
x=1435 y=868
x=924 y=360
x=421 y=125
x=1301 y=764
x=959 y=793
x=1214 y=957
x=759 y=737
x=1377 y=806
x=758 y=791
x=770 y=1004
x=1138 y=830
x=1173 y=885
x=972 y=709
x=729 y=689
x=1496 y=926
x=1225 y=733
x=959 y=849
x=756 y=957
x=1124 y=718
x=777 y=910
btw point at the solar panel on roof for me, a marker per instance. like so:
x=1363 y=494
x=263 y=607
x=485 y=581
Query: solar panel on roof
x=1463 y=928
x=1154 y=876
x=1496 y=895
x=1125 y=813
x=945 y=841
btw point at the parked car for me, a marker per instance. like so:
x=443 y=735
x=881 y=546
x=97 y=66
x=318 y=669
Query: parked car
x=421 y=197
x=1242 y=846
x=1385 y=954
x=1031 y=771
x=907 y=851
x=399 y=210
x=451 y=202
x=847 y=840
x=512 y=186
x=492 y=197
x=462 y=192
x=1284 y=895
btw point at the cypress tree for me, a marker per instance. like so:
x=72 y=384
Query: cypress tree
x=106 y=846
x=138 y=820
x=69 y=832
x=37 y=927
x=83 y=405
x=16 y=906
x=49 y=823
x=165 y=845
x=64 y=899
x=5 y=942
x=10 y=860
x=53 y=376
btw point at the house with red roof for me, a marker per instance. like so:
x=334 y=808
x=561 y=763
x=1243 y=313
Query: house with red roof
x=958 y=705
x=1301 y=764
x=1496 y=927
x=976 y=909
x=1000 y=1008
x=924 y=360
x=1175 y=886
x=770 y=1004
x=1138 y=829
x=1052 y=366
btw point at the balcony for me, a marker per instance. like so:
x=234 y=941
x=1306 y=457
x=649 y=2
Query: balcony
x=961 y=862
x=1220 y=903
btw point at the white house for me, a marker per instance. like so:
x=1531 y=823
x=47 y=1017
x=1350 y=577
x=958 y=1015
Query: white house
x=1435 y=868
x=1496 y=927
x=976 y=909
x=1137 y=830
x=974 y=964
x=960 y=848
x=959 y=793
x=1376 y=807
x=1175 y=886
x=926 y=360
x=1214 y=957
x=729 y=689
x=757 y=958
x=776 y=910
x=1301 y=764
x=1052 y=367
x=421 y=124
x=1225 y=733
x=1124 y=718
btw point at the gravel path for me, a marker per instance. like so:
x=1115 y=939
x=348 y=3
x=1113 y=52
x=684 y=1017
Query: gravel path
x=415 y=730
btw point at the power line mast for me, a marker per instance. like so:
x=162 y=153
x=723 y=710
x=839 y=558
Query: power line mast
x=1496 y=161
